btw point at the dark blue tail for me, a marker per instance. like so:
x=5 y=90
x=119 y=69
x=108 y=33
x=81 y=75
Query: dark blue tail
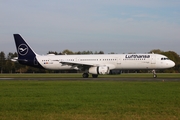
x=23 y=49
x=26 y=55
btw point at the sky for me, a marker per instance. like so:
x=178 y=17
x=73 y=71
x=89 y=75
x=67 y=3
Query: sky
x=119 y=26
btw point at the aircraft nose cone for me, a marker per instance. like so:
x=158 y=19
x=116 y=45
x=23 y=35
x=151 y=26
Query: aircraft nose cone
x=172 y=64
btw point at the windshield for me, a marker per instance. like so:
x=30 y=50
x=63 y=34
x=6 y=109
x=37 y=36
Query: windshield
x=164 y=58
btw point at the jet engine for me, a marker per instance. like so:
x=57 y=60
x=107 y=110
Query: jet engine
x=99 y=70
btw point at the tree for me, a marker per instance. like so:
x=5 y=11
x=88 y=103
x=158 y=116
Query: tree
x=68 y=52
x=2 y=61
x=158 y=51
x=84 y=52
x=100 y=52
x=111 y=53
x=52 y=52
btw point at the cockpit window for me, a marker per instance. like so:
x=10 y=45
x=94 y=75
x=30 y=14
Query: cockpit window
x=164 y=58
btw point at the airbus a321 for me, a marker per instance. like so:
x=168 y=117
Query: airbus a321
x=90 y=64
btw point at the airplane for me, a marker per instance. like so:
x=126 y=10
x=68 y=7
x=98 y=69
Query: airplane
x=95 y=65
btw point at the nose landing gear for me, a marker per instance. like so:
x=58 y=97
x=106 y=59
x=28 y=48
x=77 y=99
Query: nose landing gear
x=154 y=73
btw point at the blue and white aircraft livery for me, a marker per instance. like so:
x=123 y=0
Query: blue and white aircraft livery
x=90 y=64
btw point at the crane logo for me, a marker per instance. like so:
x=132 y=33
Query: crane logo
x=23 y=49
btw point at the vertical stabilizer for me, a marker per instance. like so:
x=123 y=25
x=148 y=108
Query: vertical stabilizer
x=26 y=55
x=23 y=49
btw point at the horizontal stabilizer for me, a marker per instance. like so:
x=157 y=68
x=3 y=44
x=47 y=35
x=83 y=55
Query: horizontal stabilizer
x=15 y=59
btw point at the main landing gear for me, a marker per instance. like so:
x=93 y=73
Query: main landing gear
x=86 y=75
x=154 y=74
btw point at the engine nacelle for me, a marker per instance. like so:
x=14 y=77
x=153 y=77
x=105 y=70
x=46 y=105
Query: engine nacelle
x=99 y=70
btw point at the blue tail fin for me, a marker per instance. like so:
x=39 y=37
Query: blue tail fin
x=26 y=55
x=23 y=49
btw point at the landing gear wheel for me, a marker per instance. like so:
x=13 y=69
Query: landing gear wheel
x=94 y=75
x=85 y=75
x=154 y=74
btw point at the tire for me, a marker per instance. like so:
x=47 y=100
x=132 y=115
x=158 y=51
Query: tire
x=154 y=76
x=85 y=75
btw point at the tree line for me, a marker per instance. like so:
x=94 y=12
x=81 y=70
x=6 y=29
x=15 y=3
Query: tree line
x=7 y=66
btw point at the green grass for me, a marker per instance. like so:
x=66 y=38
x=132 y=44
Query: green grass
x=92 y=100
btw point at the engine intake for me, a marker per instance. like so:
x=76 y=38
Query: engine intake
x=99 y=70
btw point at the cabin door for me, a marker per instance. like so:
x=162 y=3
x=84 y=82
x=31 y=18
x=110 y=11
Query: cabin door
x=77 y=59
x=153 y=59
x=118 y=60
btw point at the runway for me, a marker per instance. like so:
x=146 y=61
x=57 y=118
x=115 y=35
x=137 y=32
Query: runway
x=94 y=79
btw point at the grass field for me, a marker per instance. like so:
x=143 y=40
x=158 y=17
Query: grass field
x=86 y=99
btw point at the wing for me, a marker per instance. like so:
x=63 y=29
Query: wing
x=77 y=63
x=84 y=65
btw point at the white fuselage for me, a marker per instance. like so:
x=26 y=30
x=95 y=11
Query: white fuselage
x=93 y=64
x=113 y=61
